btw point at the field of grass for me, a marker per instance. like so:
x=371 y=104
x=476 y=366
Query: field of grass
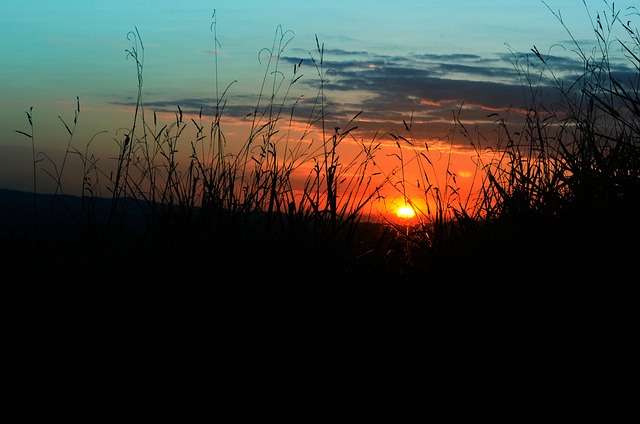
x=228 y=244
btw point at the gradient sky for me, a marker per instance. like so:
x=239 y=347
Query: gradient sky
x=390 y=60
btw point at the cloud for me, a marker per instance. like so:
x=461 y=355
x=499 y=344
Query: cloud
x=386 y=90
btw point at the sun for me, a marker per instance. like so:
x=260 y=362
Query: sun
x=405 y=212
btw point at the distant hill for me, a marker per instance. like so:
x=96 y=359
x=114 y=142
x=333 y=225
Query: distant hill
x=20 y=210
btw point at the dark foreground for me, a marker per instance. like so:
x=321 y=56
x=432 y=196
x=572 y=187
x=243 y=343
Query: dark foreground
x=60 y=292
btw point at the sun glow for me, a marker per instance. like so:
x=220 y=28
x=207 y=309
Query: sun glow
x=405 y=212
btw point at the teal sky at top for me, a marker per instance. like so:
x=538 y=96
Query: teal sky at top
x=56 y=50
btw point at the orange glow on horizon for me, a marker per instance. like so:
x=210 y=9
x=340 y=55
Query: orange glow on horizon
x=433 y=172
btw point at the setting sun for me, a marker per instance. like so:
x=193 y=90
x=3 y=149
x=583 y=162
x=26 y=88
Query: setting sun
x=405 y=212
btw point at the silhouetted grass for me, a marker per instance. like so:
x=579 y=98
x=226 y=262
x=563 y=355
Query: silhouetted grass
x=230 y=236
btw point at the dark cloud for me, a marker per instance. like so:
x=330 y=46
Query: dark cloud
x=388 y=90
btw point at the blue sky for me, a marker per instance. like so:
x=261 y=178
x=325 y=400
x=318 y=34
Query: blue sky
x=388 y=59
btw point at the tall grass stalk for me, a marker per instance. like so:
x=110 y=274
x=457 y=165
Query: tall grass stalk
x=562 y=189
x=240 y=204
